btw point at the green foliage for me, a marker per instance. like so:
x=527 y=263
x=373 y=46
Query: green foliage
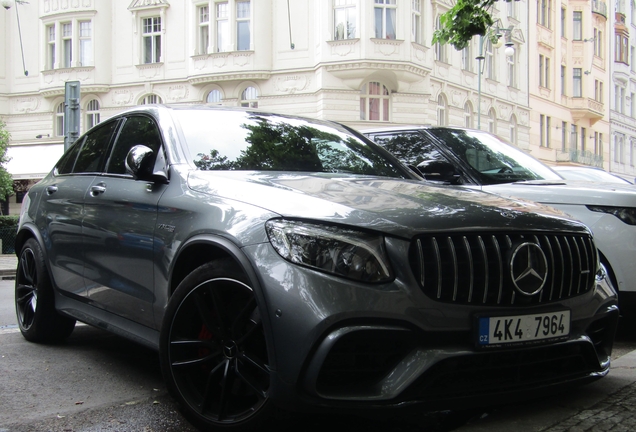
x=6 y=182
x=463 y=21
x=9 y=221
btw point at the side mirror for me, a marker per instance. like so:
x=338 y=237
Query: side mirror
x=142 y=164
x=441 y=171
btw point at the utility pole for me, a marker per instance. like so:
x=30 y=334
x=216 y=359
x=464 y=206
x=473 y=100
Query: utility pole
x=71 y=112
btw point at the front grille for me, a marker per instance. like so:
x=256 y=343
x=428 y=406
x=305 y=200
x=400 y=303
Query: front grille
x=477 y=269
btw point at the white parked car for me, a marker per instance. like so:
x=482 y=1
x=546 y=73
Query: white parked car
x=480 y=160
x=585 y=173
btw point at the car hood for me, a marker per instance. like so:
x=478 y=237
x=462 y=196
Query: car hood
x=400 y=207
x=571 y=192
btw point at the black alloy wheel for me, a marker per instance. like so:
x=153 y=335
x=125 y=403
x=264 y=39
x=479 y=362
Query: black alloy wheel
x=35 y=300
x=213 y=351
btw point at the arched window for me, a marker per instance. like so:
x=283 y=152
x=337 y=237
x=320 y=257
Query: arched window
x=468 y=115
x=59 y=120
x=214 y=97
x=249 y=98
x=442 y=115
x=374 y=102
x=150 y=99
x=92 y=113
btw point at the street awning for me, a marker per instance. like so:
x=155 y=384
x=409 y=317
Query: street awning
x=32 y=161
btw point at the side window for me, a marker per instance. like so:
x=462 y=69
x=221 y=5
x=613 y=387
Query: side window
x=409 y=148
x=93 y=152
x=67 y=161
x=136 y=130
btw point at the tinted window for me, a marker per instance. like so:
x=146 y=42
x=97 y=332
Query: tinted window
x=492 y=160
x=93 y=152
x=409 y=147
x=66 y=163
x=136 y=130
x=235 y=140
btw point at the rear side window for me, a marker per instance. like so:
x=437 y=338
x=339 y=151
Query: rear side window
x=136 y=130
x=66 y=163
x=93 y=152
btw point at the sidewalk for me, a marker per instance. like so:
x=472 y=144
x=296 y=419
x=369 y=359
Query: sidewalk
x=605 y=405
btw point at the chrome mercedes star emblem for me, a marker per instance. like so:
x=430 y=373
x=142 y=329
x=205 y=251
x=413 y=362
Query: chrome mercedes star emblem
x=528 y=268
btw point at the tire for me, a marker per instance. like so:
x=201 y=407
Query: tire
x=35 y=300
x=213 y=350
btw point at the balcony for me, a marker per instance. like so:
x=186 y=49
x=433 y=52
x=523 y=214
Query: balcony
x=582 y=157
x=599 y=7
x=586 y=108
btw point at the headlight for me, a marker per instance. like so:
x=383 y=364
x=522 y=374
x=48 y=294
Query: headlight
x=344 y=252
x=626 y=214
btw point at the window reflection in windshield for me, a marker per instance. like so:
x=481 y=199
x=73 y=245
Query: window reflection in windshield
x=494 y=161
x=266 y=142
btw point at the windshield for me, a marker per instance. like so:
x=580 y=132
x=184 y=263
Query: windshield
x=493 y=160
x=590 y=174
x=238 y=140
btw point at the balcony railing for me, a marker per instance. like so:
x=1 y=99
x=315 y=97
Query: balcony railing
x=600 y=7
x=583 y=157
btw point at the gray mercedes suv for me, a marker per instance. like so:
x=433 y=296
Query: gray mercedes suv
x=281 y=262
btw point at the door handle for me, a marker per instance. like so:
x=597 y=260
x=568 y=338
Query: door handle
x=50 y=190
x=98 y=189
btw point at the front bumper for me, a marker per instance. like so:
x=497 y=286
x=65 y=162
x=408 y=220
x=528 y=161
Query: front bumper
x=342 y=344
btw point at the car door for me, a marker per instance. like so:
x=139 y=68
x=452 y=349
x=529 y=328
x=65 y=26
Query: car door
x=61 y=209
x=120 y=218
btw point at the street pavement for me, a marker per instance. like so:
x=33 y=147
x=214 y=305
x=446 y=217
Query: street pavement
x=608 y=404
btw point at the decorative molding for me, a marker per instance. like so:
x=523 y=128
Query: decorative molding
x=26 y=104
x=57 y=6
x=291 y=83
x=387 y=47
x=343 y=47
x=148 y=4
x=228 y=77
x=122 y=97
x=177 y=92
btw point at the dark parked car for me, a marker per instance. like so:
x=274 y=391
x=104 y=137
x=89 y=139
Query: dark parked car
x=480 y=160
x=281 y=262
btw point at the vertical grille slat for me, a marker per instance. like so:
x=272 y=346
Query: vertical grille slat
x=467 y=268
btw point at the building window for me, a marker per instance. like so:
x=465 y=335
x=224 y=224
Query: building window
x=544 y=127
x=385 y=19
x=563 y=83
x=374 y=102
x=50 y=51
x=92 y=114
x=598 y=144
x=583 y=139
x=151 y=40
x=249 y=98
x=512 y=9
x=243 y=26
x=85 y=43
x=344 y=19
x=441 y=111
x=468 y=116
x=416 y=21
x=632 y=105
x=544 y=71
x=67 y=44
x=564 y=136
x=563 y=21
x=577 y=83
x=492 y=121
x=222 y=27
x=489 y=60
x=511 y=62
x=577 y=25
x=574 y=136
x=513 y=130
x=621 y=48
x=203 y=13
x=598 y=91
x=150 y=99
x=467 y=57
x=632 y=57
x=441 y=50
x=545 y=9
x=214 y=97
x=59 y=120
x=618 y=147
x=598 y=43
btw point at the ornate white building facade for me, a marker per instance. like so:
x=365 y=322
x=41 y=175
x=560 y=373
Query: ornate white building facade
x=354 y=61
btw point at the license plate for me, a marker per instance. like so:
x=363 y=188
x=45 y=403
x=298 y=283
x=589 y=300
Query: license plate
x=522 y=329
